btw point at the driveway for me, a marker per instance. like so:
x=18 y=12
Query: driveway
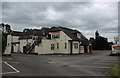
x=96 y=64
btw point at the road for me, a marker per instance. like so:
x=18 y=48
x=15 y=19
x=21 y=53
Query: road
x=96 y=64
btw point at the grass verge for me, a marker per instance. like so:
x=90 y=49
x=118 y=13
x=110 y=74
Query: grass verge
x=115 y=71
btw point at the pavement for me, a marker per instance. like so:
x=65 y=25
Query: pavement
x=95 y=64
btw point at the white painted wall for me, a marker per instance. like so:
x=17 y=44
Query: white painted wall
x=45 y=46
x=75 y=51
x=15 y=38
x=81 y=49
x=24 y=42
x=15 y=49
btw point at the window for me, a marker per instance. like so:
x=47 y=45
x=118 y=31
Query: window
x=55 y=36
x=57 y=45
x=75 y=45
x=8 y=44
x=78 y=35
x=52 y=46
x=65 y=45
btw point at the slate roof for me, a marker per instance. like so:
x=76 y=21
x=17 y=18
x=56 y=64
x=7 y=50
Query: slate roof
x=45 y=31
x=29 y=34
x=16 y=33
x=72 y=34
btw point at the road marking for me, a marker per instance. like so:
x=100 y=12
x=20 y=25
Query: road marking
x=9 y=72
x=15 y=62
x=51 y=62
x=90 y=66
x=10 y=58
x=16 y=71
x=105 y=67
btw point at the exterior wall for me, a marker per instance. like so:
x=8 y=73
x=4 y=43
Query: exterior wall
x=45 y=46
x=75 y=50
x=15 y=49
x=24 y=42
x=81 y=49
x=15 y=38
x=86 y=49
x=11 y=39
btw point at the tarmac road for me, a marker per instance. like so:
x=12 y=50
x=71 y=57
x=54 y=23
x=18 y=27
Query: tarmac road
x=96 y=64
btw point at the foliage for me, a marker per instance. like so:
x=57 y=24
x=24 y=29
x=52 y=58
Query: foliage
x=114 y=72
x=4 y=41
x=100 y=43
x=6 y=29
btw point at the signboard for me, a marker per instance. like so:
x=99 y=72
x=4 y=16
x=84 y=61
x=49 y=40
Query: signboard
x=116 y=38
x=55 y=35
x=55 y=32
x=116 y=46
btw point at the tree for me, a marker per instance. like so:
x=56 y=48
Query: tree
x=6 y=29
x=96 y=33
x=26 y=30
x=4 y=42
x=99 y=43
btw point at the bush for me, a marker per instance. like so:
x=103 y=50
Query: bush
x=4 y=42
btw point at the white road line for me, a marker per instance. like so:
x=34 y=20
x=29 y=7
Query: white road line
x=10 y=58
x=9 y=72
x=15 y=62
x=104 y=67
x=16 y=71
x=51 y=62
x=91 y=66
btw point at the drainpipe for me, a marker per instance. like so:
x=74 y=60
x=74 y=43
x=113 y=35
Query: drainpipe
x=79 y=46
x=71 y=47
x=90 y=48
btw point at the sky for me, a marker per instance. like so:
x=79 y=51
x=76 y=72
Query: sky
x=87 y=17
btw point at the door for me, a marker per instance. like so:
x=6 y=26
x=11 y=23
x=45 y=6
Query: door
x=12 y=48
x=71 y=47
x=24 y=49
x=86 y=49
x=90 y=49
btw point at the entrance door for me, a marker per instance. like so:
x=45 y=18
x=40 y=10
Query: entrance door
x=90 y=49
x=12 y=48
x=24 y=50
x=71 y=47
x=86 y=49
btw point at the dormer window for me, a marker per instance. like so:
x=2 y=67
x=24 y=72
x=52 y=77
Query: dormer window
x=78 y=35
x=55 y=35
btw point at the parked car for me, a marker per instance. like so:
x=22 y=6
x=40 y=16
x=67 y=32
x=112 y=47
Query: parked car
x=115 y=50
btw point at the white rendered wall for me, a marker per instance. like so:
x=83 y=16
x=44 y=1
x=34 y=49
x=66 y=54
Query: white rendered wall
x=45 y=46
x=75 y=51
x=81 y=49
x=24 y=42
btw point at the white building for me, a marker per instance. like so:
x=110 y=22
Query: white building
x=54 y=40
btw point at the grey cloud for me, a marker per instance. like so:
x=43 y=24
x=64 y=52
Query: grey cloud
x=89 y=16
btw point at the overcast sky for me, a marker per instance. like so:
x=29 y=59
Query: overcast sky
x=87 y=17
